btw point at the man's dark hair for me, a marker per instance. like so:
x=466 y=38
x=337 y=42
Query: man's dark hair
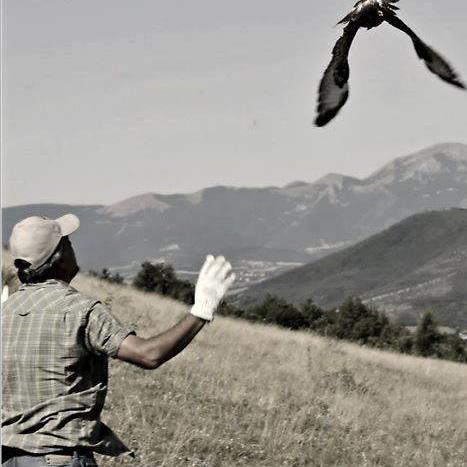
x=48 y=270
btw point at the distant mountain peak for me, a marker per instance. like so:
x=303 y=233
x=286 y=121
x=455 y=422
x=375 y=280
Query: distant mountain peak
x=452 y=148
x=335 y=180
x=195 y=198
x=455 y=152
x=436 y=159
x=443 y=158
x=297 y=184
x=129 y=206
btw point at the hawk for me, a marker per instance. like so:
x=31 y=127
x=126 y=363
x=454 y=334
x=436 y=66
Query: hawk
x=334 y=88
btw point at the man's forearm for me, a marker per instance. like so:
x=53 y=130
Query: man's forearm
x=152 y=352
x=171 y=342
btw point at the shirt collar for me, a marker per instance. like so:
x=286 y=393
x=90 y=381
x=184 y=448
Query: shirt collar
x=45 y=284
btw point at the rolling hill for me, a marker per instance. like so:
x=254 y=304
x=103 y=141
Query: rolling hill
x=262 y=230
x=245 y=394
x=415 y=265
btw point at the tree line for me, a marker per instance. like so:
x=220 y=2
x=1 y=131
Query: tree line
x=353 y=321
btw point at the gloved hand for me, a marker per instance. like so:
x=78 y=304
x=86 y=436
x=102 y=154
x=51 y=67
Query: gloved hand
x=213 y=282
x=5 y=293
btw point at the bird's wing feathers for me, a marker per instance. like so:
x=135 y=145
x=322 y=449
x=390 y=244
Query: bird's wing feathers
x=434 y=62
x=334 y=88
x=346 y=18
x=389 y=4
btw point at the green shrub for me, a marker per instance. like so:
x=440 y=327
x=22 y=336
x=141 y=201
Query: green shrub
x=357 y=322
x=276 y=310
x=427 y=337
x=161 y=278
x=106 y=275
x=316 y=318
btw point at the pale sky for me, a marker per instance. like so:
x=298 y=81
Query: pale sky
x=105 y=99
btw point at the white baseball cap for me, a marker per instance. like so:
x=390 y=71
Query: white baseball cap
x=35 y=238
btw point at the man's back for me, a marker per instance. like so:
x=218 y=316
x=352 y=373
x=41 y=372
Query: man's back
x=56 y=344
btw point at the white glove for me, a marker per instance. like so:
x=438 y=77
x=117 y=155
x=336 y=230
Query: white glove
x=213 y=282
x=5 y=293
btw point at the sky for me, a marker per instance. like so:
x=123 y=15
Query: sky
x=107 y=99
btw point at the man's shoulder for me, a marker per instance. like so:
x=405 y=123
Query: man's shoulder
x=50 y=294
x=77 y=299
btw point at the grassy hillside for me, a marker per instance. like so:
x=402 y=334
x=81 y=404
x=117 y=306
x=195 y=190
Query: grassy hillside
x=246 y=394
x=417 y=264
x=254 y=395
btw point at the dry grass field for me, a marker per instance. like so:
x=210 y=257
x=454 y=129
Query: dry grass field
x=252 y=395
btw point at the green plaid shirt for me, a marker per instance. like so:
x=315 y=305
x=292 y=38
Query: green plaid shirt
x=56 y=345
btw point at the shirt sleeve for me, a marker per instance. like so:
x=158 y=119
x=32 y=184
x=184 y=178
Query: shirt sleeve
x=103 y=332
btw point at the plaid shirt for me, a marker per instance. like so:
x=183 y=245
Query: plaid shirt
x=56 y=345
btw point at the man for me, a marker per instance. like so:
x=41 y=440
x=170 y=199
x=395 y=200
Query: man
x=56 y=345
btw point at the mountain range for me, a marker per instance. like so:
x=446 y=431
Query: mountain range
x=262 y=230
x=416 y=265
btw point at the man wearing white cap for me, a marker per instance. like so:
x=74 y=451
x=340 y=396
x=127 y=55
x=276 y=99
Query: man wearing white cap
x=56 y=343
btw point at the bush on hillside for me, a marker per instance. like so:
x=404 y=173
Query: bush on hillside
x=106 y=275
x=276 y=310
x=429 y=342
x=316 y=318
x=427 y=337
x=161 y=278
x=228 y=309
x=452 y=347
x=357 y=322
x=395 y=337
x=404 y=344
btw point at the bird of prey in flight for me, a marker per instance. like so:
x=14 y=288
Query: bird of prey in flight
x=334 y=88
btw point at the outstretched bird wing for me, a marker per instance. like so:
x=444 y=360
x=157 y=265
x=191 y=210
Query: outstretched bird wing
x=334 y=88
x=433 y=60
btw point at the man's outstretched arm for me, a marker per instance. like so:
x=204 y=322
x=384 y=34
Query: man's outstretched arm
x=152 y=352
x=213 y=282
